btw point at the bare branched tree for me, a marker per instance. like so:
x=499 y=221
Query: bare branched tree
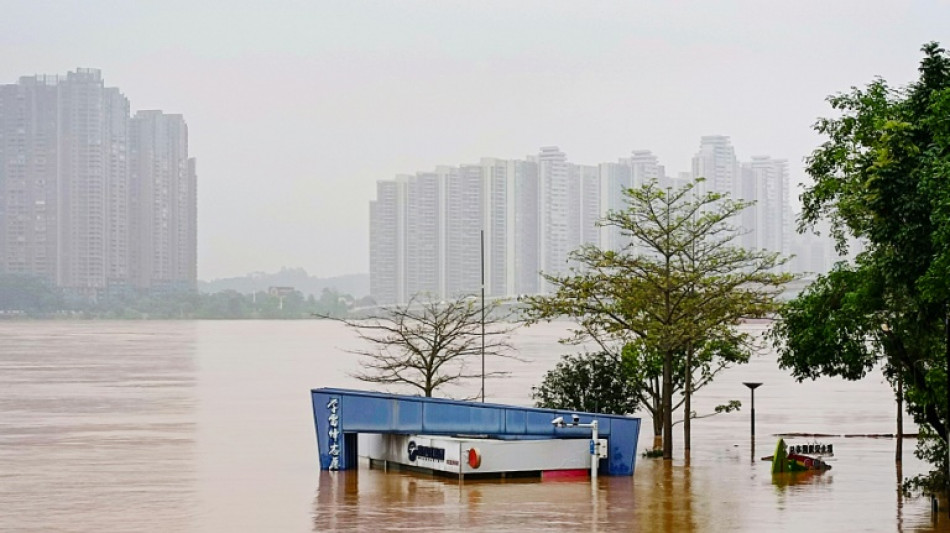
x=428 y=343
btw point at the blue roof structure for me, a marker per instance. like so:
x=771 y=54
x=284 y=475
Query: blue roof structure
x=340 y=414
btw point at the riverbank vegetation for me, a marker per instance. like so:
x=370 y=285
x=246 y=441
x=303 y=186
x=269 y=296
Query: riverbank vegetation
x=882 y=178
x=35 y=298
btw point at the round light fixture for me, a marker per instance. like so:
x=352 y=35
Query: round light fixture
x=474 y=458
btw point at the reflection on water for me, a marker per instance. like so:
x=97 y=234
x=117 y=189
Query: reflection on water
x=401 y=500
x=662 y=496
x=207 y=426
x=784 y=480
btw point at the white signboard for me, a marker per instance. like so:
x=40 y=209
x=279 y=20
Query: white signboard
x=479 y=456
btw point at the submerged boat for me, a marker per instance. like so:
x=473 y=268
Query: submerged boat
x=797 y=461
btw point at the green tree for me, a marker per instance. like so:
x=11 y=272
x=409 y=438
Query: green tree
x=675 y=293
x=333 y=303
x=32 y=295
x=592 y=382
x=883 y=176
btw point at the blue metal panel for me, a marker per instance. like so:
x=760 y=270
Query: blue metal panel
x=448 y=418
x=516 y=422
x=319 y=413
x=372 y=414
x=622 y=455
x=491 y=419
x=327 y=411
x=341 y=411
x=408 y=415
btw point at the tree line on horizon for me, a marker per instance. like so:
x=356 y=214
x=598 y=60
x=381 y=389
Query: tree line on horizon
x=24 y=296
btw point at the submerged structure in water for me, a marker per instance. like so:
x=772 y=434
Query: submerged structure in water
x=467 y=437
x=799 y=459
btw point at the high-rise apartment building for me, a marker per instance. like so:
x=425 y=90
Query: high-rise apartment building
x=29 y=166
x=615 y=178
x=524 y=257
x=68 y=208
x=585 y=180
x=763 y=182
x=464 y=204
x=496 y=221
x=386 y=243
x=163 y=191
x=716 y=162
x=423 y=194
x=425 y=230
x=556 y=227
x=766 y=222
x=645 y=167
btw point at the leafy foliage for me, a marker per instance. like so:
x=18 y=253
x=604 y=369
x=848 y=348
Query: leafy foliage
x=933 y=450
x=599 y=382
x=592 y=382
x=825 y=331
x=34 y=296
x=28 y=294
x=672 y=295
x=882 y=176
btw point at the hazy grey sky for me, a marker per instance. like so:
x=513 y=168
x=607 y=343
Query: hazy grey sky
x=295 y=109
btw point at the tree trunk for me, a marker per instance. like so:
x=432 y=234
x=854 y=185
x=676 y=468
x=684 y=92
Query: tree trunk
x=668 y=405
x=899 y=453
x=656 y=412
x=689 y=393
x=657 y=416
x=946 y=328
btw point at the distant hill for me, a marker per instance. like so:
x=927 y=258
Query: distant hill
x=356 y=285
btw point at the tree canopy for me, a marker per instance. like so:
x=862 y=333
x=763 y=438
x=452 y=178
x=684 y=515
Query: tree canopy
x=882 y=177
x=671 y=296
x=592 y=382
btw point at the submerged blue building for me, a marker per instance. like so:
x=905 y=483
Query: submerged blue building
x=341 y=414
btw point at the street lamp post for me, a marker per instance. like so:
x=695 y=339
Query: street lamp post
x=482 y=238
x=594 y=443
x=752 y=387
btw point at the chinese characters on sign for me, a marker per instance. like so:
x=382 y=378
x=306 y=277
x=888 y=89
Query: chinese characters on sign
x=334 y=443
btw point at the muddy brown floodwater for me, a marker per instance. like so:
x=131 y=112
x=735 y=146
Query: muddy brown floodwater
x=206 y=426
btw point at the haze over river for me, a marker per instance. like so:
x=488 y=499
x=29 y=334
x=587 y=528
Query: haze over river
x=207 y=426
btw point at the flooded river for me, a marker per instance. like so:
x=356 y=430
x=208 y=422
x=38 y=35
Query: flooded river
x=206 y=427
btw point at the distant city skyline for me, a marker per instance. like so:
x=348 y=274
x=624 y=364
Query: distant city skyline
x=425 y=228
x=297 y=109
x=92 y=198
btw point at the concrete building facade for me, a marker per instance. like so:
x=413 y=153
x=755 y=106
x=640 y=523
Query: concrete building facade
x=69 y=210
x=425 y=230
x=163 y=191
